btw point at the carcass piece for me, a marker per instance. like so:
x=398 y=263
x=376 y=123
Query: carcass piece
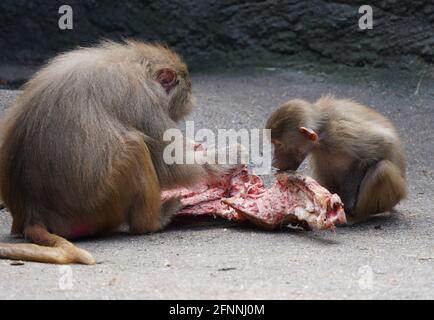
x=205 y=198
x=294 y=198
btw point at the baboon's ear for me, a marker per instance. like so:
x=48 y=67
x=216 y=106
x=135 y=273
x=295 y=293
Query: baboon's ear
x=167 y=78
x=308 y=133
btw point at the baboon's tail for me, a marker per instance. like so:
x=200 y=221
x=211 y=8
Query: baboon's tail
x=47 y=248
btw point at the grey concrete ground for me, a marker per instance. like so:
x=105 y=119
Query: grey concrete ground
x=387 y=257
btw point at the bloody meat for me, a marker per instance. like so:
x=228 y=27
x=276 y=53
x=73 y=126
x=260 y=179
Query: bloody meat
x=294 y=198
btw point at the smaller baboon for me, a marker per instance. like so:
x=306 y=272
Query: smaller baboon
x=355 y=151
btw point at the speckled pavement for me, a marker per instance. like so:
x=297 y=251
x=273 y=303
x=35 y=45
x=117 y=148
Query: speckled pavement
x=385 y=258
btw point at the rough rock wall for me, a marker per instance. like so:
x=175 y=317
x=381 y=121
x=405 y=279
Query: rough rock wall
x=218 y=29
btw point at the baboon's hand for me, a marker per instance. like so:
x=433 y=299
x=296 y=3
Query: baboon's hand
x=169 y=208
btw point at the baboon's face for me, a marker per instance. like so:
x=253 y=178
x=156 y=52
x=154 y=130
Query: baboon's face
x=288 y=156
x=182 y=100
x=292 y=141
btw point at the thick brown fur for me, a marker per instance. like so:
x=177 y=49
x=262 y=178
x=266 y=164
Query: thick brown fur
x=355 y=151
x=82 y=152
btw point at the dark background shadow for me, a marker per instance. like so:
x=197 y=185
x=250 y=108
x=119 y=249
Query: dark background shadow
x=226 y=32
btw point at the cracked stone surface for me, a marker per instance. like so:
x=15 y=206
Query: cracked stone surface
x=228 y=31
